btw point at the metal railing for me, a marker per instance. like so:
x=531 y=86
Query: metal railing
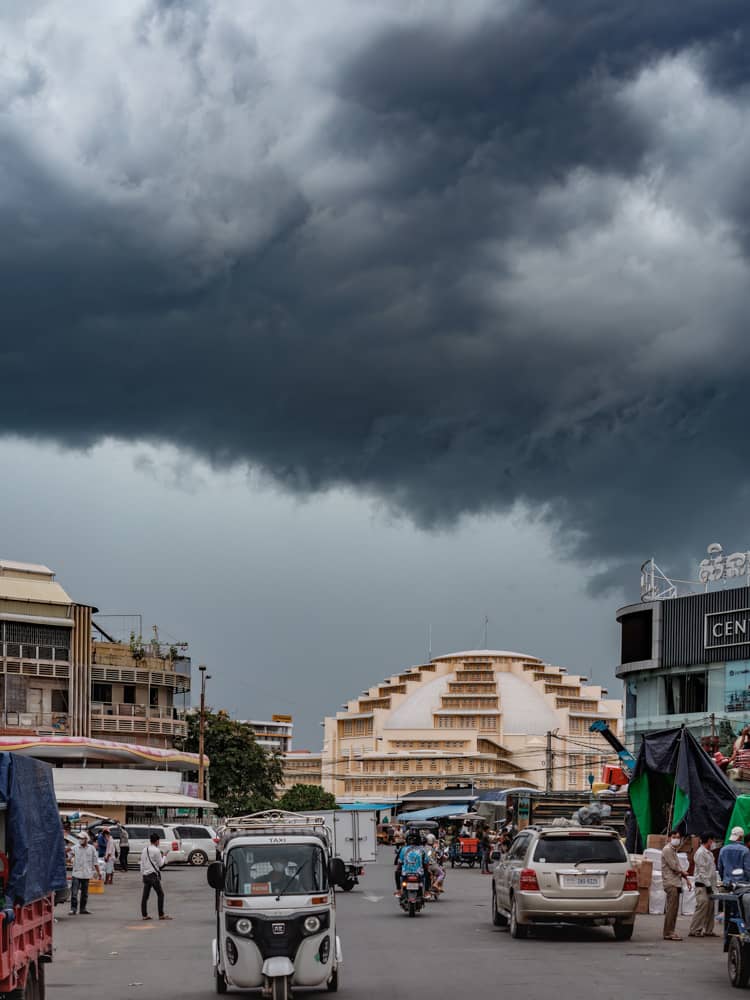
x=54 y=721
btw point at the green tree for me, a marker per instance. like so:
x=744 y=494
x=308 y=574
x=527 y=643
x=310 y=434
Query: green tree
x=243 y=777
x=306 y=798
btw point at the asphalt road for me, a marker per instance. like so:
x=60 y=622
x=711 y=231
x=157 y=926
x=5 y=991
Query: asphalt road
x=451 y=949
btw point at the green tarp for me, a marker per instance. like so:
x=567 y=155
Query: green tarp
x=740 y=816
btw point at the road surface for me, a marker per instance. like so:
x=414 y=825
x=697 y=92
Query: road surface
x=451 y=949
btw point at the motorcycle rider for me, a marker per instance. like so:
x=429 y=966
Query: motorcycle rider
x=437 y=874
x=411 y=860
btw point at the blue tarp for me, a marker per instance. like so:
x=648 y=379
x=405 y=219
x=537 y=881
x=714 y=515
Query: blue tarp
x=33 y=832
x=436 y=812
x=365 y=806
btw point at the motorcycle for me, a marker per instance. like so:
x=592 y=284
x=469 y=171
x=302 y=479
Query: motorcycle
x=412 y=896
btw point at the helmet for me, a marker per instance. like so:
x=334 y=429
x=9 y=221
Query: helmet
x=413 y=837
x=430 y=838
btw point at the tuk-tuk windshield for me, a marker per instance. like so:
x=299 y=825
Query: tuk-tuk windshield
x=270 y=869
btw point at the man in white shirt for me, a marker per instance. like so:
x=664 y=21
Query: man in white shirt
x=85 y=867
x=152 y=862
x=702 y=924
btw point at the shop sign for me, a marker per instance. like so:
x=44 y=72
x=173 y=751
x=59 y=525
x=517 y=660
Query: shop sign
x=727 y=628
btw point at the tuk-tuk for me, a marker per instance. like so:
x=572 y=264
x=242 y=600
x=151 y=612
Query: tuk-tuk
x=464 y=851
x=737 y=931
x=275 y=905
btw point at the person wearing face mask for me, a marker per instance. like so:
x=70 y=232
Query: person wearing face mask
x=702 y=924
x=671 y=877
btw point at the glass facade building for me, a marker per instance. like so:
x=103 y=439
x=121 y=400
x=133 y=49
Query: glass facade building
x=686 y=660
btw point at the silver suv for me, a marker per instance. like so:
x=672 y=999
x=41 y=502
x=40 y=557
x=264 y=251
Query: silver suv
x=565 y=875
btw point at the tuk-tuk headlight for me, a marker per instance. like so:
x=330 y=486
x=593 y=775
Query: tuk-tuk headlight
x=312 y=925
x=244 y=926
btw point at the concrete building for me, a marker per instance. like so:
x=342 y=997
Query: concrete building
x=480 y=716
x=685 y=658
x=275 y=735
x=119 y=781
x=301 y=767
x=56 y=679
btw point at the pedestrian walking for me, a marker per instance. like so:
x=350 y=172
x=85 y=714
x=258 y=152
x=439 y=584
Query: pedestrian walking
x=152 y=862
x=124 y=849
x=702 y=924
x=485 y=848
x=109 y=858
x=672 y=876
x=85 y=866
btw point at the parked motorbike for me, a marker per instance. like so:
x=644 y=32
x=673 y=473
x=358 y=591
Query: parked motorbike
x=412 y=896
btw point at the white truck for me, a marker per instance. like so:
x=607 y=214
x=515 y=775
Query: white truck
x=354 y=841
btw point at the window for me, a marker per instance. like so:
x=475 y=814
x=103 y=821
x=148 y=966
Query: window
x=102 y=692
x=573 y=849
x=60 y=701
x=153 y=697
x=518 y=847
x=636 y=637
x=685 y=693
x=128 y=694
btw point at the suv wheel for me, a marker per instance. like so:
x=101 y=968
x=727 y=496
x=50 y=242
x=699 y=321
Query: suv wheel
x=198 y=858
x=498 y=919
x=517 y=930
x=623 y=931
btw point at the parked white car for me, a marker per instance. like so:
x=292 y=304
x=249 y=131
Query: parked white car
x=139 y=836
x=198 y=844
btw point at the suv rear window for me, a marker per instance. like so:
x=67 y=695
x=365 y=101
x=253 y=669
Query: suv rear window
x=572 y=849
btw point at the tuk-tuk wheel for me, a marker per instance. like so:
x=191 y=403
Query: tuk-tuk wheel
x=738 y=963
x=220 y=982
x=333 y=983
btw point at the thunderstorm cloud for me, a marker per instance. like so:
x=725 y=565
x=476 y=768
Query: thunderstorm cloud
x=456 y=256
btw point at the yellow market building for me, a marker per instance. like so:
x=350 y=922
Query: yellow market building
x=480 y=716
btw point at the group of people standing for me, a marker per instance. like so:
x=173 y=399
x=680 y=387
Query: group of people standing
x=90 y=862
x=734 y=857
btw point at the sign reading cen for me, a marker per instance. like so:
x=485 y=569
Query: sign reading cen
x=727 y=628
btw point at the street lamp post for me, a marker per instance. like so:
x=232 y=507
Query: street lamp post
x=202 y=730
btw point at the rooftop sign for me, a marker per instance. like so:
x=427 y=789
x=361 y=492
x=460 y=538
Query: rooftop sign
x=720 y=566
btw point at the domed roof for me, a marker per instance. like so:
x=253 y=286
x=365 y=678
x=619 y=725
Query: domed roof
x=486 y=652
x=416 y=711
x=525 y=710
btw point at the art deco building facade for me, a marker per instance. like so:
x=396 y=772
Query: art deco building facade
x=480 y=716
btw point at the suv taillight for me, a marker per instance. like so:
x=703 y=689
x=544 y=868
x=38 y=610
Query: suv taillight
x=527 y=881
x=631 y=881
x=175 y=845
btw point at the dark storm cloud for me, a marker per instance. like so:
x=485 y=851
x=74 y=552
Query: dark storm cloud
x=455 y=261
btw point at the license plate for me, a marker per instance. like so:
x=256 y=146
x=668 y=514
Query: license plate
x=582 y=882
x=279 y=929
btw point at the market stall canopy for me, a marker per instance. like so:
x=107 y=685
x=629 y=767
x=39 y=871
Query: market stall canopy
x=676 y=784
x=435 y=812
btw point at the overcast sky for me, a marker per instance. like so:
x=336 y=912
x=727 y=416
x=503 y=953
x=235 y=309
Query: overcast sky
x=322 y=322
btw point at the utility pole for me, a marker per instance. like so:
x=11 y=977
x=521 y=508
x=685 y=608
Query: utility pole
x=202 y=730
x=548 y=763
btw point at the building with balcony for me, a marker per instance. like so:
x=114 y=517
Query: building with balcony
x=275 y=735
x=479 y=716
x=59 y=679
